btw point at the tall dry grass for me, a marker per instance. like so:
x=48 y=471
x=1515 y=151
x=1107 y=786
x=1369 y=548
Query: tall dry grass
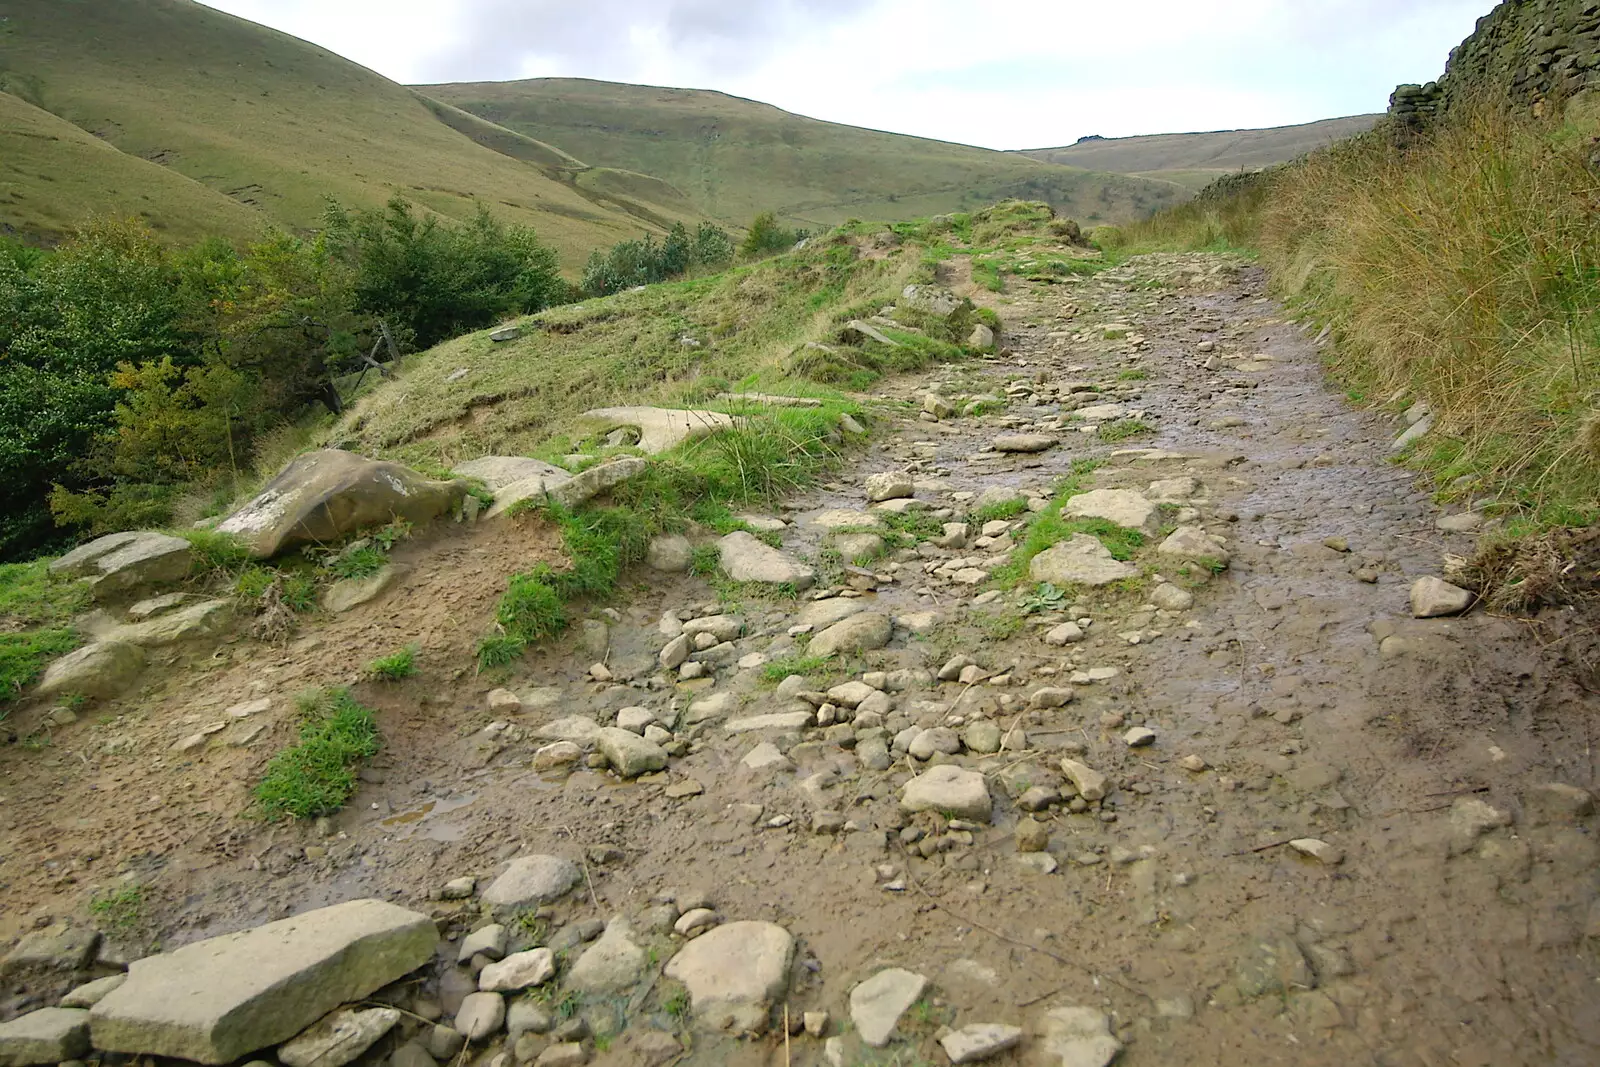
x=1464 y=271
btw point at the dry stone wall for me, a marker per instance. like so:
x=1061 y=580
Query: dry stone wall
x=1526 y=51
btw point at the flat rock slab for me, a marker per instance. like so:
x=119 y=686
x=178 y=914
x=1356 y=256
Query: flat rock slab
x=1079 y=560
x=949 y=789
x=1193 y=543
x=57 y=949
x=877 y=1004
x=781 y=720
x=571 y=491
x=349 y=593
x=861 y=632
x=770 y=400
x=1123 y=507
x=734 y=973
x=322 y=496
x=1025 y=442
x=839 y=518
x=123 y=563
x=979 y=1041
x=205 y=619
x=338 y=1038
x=1078 y=1037
x=659 y=428
x=497 y=472
x=821 y=614
x=1101 y=412
x=49 y=1035
x=532 y=880
x=217 y=1000
x=572 y=728
x=745 y=559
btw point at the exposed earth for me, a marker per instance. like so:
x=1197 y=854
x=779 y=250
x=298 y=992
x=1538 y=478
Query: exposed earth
x=1437 y=905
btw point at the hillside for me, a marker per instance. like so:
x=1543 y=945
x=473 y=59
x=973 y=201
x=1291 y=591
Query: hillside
x=1194 y=159
x=733 y=157
x=270 y=122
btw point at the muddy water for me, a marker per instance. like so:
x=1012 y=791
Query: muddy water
x=1178 y=907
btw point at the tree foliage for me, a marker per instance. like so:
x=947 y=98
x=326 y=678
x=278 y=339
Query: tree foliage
x=767 y=236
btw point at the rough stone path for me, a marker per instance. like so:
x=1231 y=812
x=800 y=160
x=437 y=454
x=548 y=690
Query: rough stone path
x=1259 y=816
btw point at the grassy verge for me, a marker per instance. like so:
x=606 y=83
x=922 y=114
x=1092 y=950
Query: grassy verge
x=317 y=774
x=35 y=616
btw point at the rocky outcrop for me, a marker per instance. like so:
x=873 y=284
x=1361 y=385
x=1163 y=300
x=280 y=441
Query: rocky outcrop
x=124 y=564
x=217 y=1000
x=659 y=429
x=324 y=496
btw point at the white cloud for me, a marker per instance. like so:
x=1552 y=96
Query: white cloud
x=1008 y=73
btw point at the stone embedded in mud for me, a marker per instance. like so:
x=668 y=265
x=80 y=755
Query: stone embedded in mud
x=979 y=1041
x=1101 y=412
x=864 y=632
x=530 y=881
x=498 y=472
x=1172 y=490
x=1194 y=544
x=98 y=671
x=722 y=627
x=745 y=559
x=1318 y=850
x=734 y=974
x=1122 y=507
x=1272 y=964
x=937 y=406
x=1169 y=597
x=49 y=1035
x=781 y=720
x=481 y=1016
x=821 y=614
x=612 y=965
x=670 y=554
x=348 y=593
x=858 y=547
x=489 y=941
x=1078 y=1037
x=1433 y=598
x=890 y=485
x=1556 y=802
x=216 y=1000
x=1080 y=560
x=660 y=429
x=998 y=496
x=949 y=789
x=56 y=949
x=1470 y=819
x=575 y=728
x=1090 y=783
x=1025 y=442
x=766 y=756
x=629 y=754
x=1068 y=633
x=520 y=970
x=877 y=1003
x=338 y=1038
x=710 y=707
x=123 y=563
x=322 y=496
x=936 y=741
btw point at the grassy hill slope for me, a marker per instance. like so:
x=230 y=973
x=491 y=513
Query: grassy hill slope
x=1194 y=159
x=53 y=174
x=273 y=122
x=733 y=158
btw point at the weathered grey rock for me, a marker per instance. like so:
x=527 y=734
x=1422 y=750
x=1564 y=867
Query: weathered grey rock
x=1172 y=490
x=215 y=1000
x=583 y=487
x=670 y=554
x=722 y=627
x=481 y=1015
x=890 y=485
x=735 y=973
x=1078 y=1037
x=1272 y=964
x=745 y=559
x=766 y=756
x=1433 y=597
x=873 y=754
x=612 y=965
x=1068 y=633
x=520 y=970
x=1169 y=597
x=982 y=737
x=1091 y=784
x=123 y=563
x=1080 y=560
x=980 y=337
x=858 y=547
x=871 y=333
x=1121 y=506
x=445 y=1042
x=348 y=593
x=1557 y=802
x=629 y=754
x=1194 y=544
x=91 y=993
x=778 y=720
x=204 y=619
x=1413 y=433
x=858 y=633
x=564 y=1054
x=928 y=743
x=99 y=671
x=877 y=1004
x=322 y=496
x=712 y=706
x=949 y=789
x=998 y=496
x=1101 y=412
x=574 y=728
x=675 y=652
x=58 y=949
x=150 y=607
x=488 y=940
x=821 y=614
x=527 y=1016
x=411 y=1054
x=1470 y=819
x=659 y=429
x=498 y=472
x=49 y=1035
x=336 y=1039
x=839 y=518
x=532 y=880
x=979 y=1041
x=1025 y=442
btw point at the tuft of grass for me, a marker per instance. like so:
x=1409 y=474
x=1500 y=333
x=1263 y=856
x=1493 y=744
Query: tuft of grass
x=215 y=553
x=35 y=616
x=316 y=775
x=118 y=911
x=23 y=656
x=1122 y=429
x=364 y=562
x=1008 y=510
x=777 y=670
x=395 y=667
x=1133 y=374
x=703 y=560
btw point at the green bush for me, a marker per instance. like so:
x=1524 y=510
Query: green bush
x=646 y=261
x=767 y=236
x=317 y=775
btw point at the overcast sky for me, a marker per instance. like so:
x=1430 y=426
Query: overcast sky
x=1000 y=73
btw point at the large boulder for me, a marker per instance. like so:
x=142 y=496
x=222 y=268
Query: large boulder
x=734 y=974
x=1079 y=560
x=321 y=497
x=121 y=564
x=99 y=671
x=659 y=428
x=745 y=559
x=217 y=1000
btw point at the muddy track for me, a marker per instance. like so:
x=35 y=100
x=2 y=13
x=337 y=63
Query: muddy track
x=1296 y=699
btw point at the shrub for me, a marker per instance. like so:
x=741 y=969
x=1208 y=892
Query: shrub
x=645 y=261
x=767 y=235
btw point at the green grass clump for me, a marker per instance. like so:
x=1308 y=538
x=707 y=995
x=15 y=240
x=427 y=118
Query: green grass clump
x=1122 y=429
x=118 y=911
x=1010 y=509
x=215 y=553
x=395 y=667
x=364 y=562
x=1133 y=374
x=35 y=612
x=703 y=560
x=317 y=775
x=23 y=656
